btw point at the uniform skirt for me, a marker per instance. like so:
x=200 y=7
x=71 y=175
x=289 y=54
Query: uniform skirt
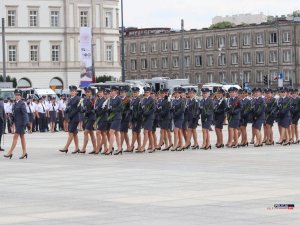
x=89 y=124
x=102 y=126
x=136 y=126
x=284 y=122
x=20 y=129
x=148 y=125
x=72 y=126
x=270 y=121
x=81 y=117
x=52 y=116
x=257 y=124
x=178 y=123
x=115 y=125
x=155 y=125
x=124 y=126
x=219 y=120
x=192 y=124
x=206 y=124
x=185 y=125
x=295 y=119
x=30 y=117
x=234 y=124
x=164 y=124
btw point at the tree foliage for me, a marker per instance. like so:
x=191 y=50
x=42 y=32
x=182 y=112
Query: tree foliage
x=102 y=79
x=222 y=25
x=9 y=79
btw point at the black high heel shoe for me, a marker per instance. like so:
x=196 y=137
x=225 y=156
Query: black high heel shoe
x=140 y=151
x=297 y=142
x=152 y=151
x=64 y=150
x=168 y=148
x=24 y=156
x=279 y=143
x=195 y=147
x=187 y=147
x=76 y=152
x=207 y=147
x=220 y=146
x=235 y=146
x=108 y=153
x=119 y=152
x=131 y=150
x=286 y=143
x=81 y=152
x=8 y=156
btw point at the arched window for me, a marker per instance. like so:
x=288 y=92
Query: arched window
x=56 y=83
x=24 y=83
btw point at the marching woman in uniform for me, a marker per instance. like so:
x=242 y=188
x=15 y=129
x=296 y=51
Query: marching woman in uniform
x=89 y=119
x=101 y=120
x=245 y=111
x=148 y=108
x=234 y=116
x=20 y=118
x=295 y=116
x=178 y=108
x=72 y=110
x=284 y=116
x=136 y=119
x=219 y=116
x=206 y=109
x=271 y=105
x=125 y=116
x=184 y=97
x=53 y=107
x=114 y=118
x=193 y=111
x=259 y=107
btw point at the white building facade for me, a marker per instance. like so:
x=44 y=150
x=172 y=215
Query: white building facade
x=42 y=40
x=242 y=18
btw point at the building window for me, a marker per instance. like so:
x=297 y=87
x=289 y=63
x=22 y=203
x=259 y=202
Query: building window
x=12 y=53
x=234 y=58
x=198 y=43
x=259 y=39
x=286 y=37
x=133 y=47
x=198 y=60
x=55 y=52
x=133 y=65
x=221 y=42
x=287 y=56
x=83 y=18
x=144 y=64
x=187 y=61
x=247 y=76
x=108 y=20
x=273 y=38
x=187 y=44
x=246 y=39
x=259 y=76
x=209 y=42
x=273 y=56
x=164 y=46
x=222 y=59
x=33 y=18
x=287 y=75
x=259 y=57
x=175 y=45
x=175 y=62
x=198 y=78
x=247 y=58
x=153 y=46
x=54 y=18
x=153 y=63
x=210 y=77
x=234 y=77
x=210 y=60
x=34 y=50
x=222 y=77
x=143 y=47
x=165 y=63
x=109 y=53
x=273 y=74
x=11 y=18
x=233 y=41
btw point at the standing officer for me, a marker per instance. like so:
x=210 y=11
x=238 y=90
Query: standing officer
x=41 y=115
x=178 y=108
x=234 y=116
x=89 y=119
x=73 y=109
x=125 y=116
x=135 y=118
x=2 y=121
x=53 y=108
x=245 y=111
x=193 y=113
x=114 y=117
x=30 y=108
x=20 y=118
x=206 y=110
x=148 y=109
x=271 y=105
x=295 y=116
x=219 y=116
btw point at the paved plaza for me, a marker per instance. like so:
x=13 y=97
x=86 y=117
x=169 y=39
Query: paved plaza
x=228 y=186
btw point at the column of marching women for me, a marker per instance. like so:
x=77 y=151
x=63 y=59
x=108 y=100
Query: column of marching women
x=107 y=115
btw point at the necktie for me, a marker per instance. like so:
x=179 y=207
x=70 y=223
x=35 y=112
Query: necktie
x=43 y=107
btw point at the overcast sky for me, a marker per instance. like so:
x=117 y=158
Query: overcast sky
x=197 y=13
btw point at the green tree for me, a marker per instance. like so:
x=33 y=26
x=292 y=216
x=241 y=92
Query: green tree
x=102 y=79
x=9 y=79
x=222 y=25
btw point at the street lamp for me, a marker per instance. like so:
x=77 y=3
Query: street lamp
x=220 y=58
x=123 y=44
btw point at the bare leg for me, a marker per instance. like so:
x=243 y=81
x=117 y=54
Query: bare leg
x=118 y=140
x=23 y=143
x=69 y=141
x=14 y=143
x=85 y=140
x=76 y=142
